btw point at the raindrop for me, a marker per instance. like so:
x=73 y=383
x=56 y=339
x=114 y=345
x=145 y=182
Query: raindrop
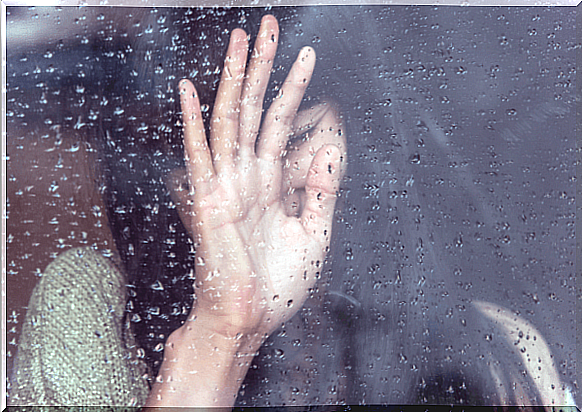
x=53 y=187
x=459 y=240
x=155 y=310
x=414 y=158
x=157 y=285
x=227 y=75
x=74 y=148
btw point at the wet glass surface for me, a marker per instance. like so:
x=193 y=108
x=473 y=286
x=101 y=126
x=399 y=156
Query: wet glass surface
x=454 y=231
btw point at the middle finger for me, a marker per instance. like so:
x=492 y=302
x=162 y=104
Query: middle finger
x=256 y=83
x=225 y=116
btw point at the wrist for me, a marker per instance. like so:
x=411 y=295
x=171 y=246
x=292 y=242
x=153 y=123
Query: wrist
x=209 y=333
x=203 y=367
x=229 y=333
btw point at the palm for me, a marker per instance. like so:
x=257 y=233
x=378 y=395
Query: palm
x=256 y=263
x=271 y=259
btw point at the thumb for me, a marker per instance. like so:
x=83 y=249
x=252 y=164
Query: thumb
x=322 y=185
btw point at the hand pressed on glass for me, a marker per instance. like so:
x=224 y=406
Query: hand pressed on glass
x=256 y=260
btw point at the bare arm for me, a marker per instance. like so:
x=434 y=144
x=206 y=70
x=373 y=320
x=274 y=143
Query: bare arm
x=257 y=257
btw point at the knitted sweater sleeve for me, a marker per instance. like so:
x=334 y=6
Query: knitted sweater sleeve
x=75 y=348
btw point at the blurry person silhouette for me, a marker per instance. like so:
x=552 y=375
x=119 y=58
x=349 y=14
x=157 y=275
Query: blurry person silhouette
x=259 y=213
x=229 y=220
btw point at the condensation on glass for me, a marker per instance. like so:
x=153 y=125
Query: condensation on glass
x=451 y=276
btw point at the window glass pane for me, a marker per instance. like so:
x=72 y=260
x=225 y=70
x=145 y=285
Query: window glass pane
x=450 y=276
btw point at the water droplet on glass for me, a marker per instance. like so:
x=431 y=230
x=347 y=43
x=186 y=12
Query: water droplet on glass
x=414 y=158
x=157 y=285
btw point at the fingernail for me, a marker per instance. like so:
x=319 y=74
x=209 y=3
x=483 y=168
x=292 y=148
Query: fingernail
x=305 y=52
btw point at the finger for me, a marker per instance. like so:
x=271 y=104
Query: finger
x=198 y=159
x=225 y=116
x=256 y=83
x=320 y=125
x=278 y=122
x=321 y=192
x=307 y=119
x=179 y=189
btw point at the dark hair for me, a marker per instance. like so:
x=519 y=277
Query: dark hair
x=139 y=139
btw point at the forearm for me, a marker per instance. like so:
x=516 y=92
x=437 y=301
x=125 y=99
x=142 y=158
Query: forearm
x=202 y=369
